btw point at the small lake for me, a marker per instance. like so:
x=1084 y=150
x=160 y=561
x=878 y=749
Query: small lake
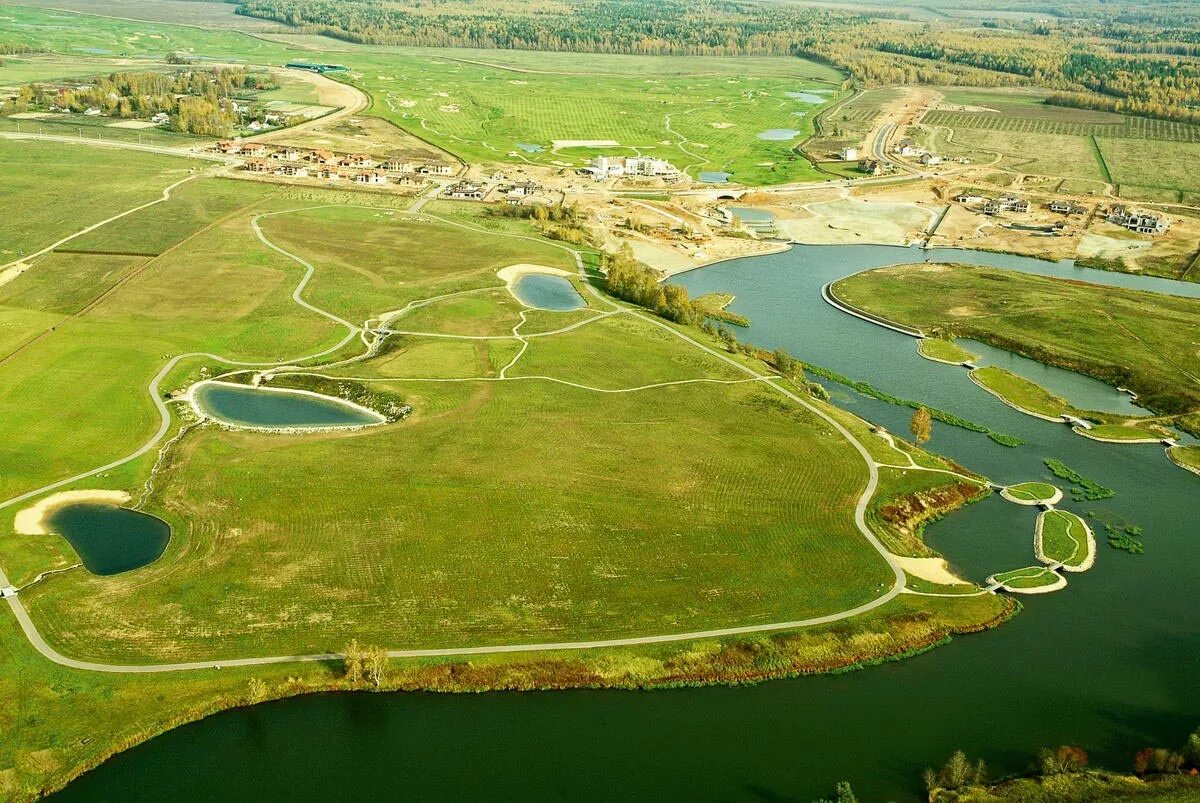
x=530 y=148
x=778 y=134
x=750 y=215
x=1081 y=391
x=543 y=291
x=111 y=539
x=277 y=408
x=714 y=176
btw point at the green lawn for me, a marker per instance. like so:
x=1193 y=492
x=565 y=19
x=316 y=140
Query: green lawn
x=1064 y=538
x=1128 y=338
x=1032 y=491
x=1122 y=432
x=1029 y=577
x=1020 y=392
x=944 y=350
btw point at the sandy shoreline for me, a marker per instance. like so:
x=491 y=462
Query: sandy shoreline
x=32 y=520
x=510 y=274
x=935 y=570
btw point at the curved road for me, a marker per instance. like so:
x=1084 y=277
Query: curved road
x=39 y=643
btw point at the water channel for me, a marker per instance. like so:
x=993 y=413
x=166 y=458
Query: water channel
x=1109 y=663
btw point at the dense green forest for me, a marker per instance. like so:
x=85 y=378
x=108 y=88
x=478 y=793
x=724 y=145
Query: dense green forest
x=1142 y=58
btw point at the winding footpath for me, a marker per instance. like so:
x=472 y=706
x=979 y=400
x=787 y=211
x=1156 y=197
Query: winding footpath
x=353 y=331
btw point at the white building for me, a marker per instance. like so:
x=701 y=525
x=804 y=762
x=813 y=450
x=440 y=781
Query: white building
x=603 y=167
x=849 y=154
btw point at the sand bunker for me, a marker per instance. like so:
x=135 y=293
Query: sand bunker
x=511 y=273
x=132 y=124
x=450 y=108
x=721 y=125
x=934 y=570
x=586 y=143
x=32 y=520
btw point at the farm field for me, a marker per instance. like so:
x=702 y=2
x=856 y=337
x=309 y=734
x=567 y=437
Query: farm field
x=1128 y=338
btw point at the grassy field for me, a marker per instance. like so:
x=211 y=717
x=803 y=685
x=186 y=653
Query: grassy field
x=61 y=188
x=1031 y=491
x=1186 y=456
x=1020 y=392
x=1029 y=577
x=1123 y=432
x=945 y=350
x=1064 y=538
x=1128 y=338
x=1034 y=119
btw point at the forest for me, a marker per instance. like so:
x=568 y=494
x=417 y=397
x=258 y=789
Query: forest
x=1139 y=58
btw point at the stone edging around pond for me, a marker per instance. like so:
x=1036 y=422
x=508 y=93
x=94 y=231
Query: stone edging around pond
x=1053 y=500
x=836 y=303
x=203 y=417
x=1172 y=458
x=1059 y=584
x=1088 y=563
x=1012 y=404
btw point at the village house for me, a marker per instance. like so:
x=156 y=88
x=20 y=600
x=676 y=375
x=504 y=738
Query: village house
x=258 y=166
x=329 y=174
x=408 y=180
x=322 y=157
x=465 y=191
x=871 y=167
x=358 y=160
x=255 y=149
x=292 y=170
x=286 y=154
x=397 y=165
x=1067 y=208
x=523 y=189
x=371 y=177
x=229 y=146
x=930 y=159
x=848 y=154
x=436 y=169
x=161 y=118
x=1141 y=222
x=906 y=147
x=970 y=198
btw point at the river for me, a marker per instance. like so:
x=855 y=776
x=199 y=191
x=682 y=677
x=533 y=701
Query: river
x=1109 y=663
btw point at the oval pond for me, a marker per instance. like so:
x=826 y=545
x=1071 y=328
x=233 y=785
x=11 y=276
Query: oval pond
x=111 y=539
x=543 y=291
x=277 y=408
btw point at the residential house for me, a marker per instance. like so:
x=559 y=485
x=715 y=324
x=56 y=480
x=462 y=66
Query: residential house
x=1141 y=222
x=603 y=167
x=970 y=198
x=1067 y=208
x=228 y=146
x=286 y=154
x=523 y=189
x=906 y=147
x=465 y=191
x=358 y=160
x=930 y=159
x=848 y=154
x=292 y=170
x=161 y=118
x=255 y=149
x=258 y=166
x=322 y=157
x=397 y=165
x=871 y=167
x=371 y=177
x=436 y=169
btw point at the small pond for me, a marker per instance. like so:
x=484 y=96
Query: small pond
x=778 y=134
x=277 y=408
x=530 y=148
x=543 y=291
x=807 y=97
x=714 y=176
x=111 y=539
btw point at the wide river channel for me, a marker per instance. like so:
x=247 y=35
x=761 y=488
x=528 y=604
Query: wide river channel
x=1110 y=663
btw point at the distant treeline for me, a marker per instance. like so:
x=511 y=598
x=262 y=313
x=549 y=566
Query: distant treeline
x=1147 y=57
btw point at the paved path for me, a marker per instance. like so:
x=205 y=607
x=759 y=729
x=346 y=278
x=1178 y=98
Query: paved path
x=898 y=577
